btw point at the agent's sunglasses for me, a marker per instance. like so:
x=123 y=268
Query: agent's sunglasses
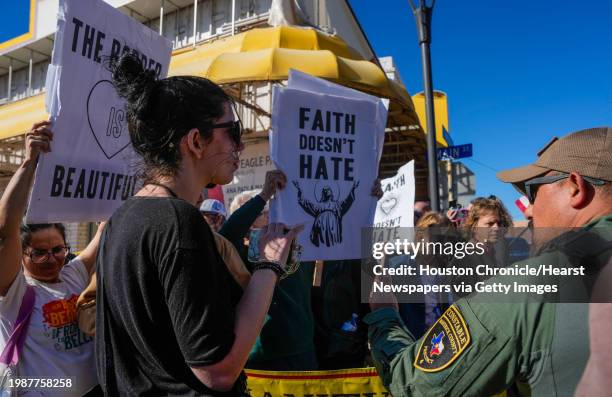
x=532 y=185
x=234 y=128
x=41 y=256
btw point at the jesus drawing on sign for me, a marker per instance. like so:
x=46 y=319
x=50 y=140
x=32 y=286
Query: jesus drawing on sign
x=328 y=213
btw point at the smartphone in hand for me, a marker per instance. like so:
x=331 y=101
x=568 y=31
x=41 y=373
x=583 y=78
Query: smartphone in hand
x=253 y=254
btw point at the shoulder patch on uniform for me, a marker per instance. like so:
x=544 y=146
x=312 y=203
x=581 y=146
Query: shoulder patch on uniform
x=444 y=342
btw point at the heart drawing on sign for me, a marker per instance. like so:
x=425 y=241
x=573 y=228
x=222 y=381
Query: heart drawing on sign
x=387 y=204
x=107 y=119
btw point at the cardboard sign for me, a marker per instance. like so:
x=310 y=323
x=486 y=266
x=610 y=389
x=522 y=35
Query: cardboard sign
x=90 y=170
x=255 y=161
x=329 y=147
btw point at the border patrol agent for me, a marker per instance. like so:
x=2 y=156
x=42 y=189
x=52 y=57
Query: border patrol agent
x=478 y=348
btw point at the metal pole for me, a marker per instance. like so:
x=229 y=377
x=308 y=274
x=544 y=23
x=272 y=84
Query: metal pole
x=177 y=36
x=29 y=93
x=233 y=17
x=10 y=81
x=423 y=21
x=450 y=181
x=195 y=22
x=161 y=17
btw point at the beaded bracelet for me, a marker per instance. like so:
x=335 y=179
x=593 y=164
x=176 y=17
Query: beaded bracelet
x=275 y=267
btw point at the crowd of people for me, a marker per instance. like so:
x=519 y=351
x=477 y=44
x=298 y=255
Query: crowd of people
x=182 y=306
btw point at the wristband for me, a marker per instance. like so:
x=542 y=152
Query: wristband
x=275 y=267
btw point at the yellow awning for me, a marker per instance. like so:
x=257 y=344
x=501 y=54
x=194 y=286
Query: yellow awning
x=440 y=113
x=267 y=54
x=261 y=54
x=16 y=118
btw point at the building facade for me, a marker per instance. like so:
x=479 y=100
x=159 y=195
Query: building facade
x=201 y=30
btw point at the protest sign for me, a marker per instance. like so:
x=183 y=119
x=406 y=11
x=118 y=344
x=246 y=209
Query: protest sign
x=89 y=172
x=396 y=206
x=328 y=146
x=255 y=161
x=302 y=81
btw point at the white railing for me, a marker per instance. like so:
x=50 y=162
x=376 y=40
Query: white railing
x=212 y=19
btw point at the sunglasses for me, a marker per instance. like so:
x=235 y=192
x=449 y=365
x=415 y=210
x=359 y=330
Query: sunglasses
x=532 y=185
x=211 y=214
x=41 y=256
x=234 y=128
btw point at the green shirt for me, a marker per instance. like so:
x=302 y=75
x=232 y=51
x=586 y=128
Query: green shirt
x=540 y=347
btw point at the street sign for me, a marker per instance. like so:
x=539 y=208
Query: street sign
x=447 y=136
x=455 y=152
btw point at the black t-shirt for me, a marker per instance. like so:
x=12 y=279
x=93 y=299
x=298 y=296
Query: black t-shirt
x=165 y=300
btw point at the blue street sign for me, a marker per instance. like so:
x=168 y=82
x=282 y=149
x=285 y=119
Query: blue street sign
x=447 y=137
x=455 y=152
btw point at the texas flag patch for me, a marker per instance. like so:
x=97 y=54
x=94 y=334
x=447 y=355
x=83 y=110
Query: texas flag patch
x=444 y=342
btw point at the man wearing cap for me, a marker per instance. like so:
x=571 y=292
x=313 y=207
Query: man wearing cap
x=214 y=213
x=537 y=349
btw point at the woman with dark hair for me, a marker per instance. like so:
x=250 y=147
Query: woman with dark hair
x=171 y=320
x=34 y=265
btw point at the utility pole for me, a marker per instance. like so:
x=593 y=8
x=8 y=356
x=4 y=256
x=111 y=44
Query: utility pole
x=422 y=14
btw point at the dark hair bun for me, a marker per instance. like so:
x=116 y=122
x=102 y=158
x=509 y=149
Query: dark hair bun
x=133 y=83
x=160 y=112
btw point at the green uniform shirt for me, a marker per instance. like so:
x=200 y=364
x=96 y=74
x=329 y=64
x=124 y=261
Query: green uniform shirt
x=542 y=347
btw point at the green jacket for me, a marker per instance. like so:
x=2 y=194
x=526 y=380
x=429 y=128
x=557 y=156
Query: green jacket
x=289 y=325
x=487 y=347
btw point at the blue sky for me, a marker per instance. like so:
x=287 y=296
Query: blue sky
x=516 y=73
x=14 y=19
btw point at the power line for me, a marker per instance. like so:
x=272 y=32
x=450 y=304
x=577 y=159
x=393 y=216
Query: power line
x=483 y=164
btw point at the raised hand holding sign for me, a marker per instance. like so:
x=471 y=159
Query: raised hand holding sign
x=90 y=171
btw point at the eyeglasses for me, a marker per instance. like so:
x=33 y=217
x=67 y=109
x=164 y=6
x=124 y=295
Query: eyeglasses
x=532 y=185
x=234 y=128
x=41 y=256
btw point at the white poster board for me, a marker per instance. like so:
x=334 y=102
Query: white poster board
x=328 y=146
x=302 y=81
x=396 y=207
x=255 y=161
x=89 y=172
